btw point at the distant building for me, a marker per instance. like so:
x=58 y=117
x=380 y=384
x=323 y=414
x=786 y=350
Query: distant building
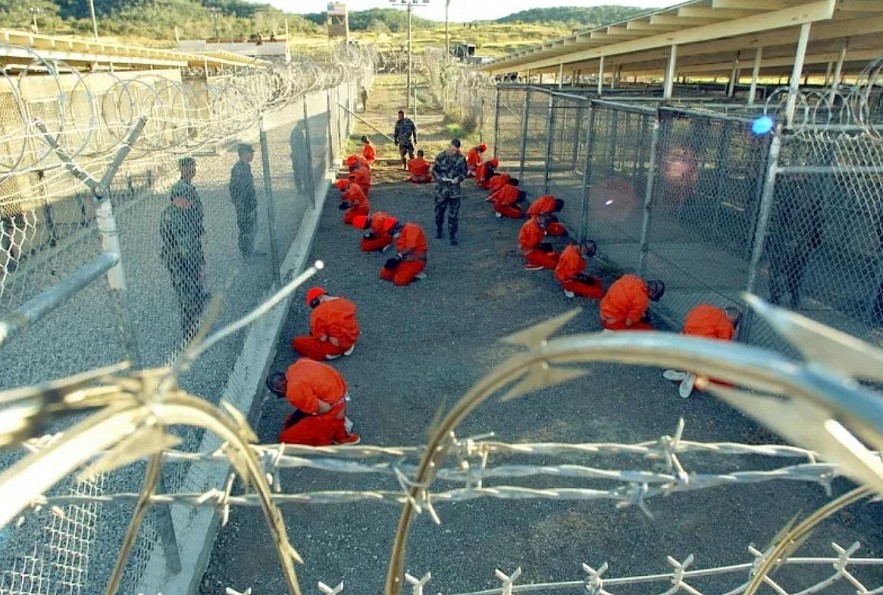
x=338 y=22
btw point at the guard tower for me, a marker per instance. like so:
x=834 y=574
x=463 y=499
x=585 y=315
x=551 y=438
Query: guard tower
x=338 y=24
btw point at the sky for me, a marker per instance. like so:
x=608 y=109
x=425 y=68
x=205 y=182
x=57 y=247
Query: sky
x=464 y=10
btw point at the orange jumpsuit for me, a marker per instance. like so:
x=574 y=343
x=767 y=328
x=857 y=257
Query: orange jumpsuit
x=419 y=169
x=709 y=322
x=569 y=273
x=504 y=201
x=362 y=177
x=307 y=383
x=332 y=321
x=626 y=300
x=412 y=247
x=498 y=181
x=545 y=205
x=483 y=173
x=369 y=154
x=356 y=160
x=473 y=160
x=529 y=239
x=358 y=200
x=376 y=239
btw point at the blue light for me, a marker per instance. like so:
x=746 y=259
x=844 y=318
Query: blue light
x=762 y=125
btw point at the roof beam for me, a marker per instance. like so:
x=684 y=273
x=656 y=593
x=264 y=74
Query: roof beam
x=648 y=26
x=752 y=4
x=789 y=17
x=670 y=19
x=705 y=12
x=860 y=6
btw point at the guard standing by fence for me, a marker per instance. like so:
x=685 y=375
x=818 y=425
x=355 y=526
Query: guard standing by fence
x=181 y=232
x=448 y=170
x=244 y=198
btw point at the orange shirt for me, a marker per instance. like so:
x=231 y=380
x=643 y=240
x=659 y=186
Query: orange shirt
x=473 y=158
x=483 y=173
x=627 y=299
x=505 y=196
x=498 y=181
x=531 y=235
x=369 y=154
x=411 y=243
x=336 y=318
x=361 y=177
x=418 y=167
x=309 y=381
x=355 y=196
x=377 y=220
x=544 y=205
x=709 y=322
x=570 y=264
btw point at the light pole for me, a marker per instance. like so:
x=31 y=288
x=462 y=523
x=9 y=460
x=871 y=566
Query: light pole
x=94 y=21
x=447 y=39
x=409 y=4
x=34 y=12
x=216 y=12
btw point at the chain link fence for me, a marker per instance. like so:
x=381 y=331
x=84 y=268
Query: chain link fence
x=695 y=197
x=190 y=251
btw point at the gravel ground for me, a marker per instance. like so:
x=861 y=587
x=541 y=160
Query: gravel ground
x=422 y=347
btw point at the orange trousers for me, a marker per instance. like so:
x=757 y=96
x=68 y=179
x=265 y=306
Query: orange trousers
x=375 y=244
x=313 y=348
x=351 y=213
x=587 y=290
x=403 y=274
x=547 y=260
x=509 y=211
x=315 y=430
x=620 y=325
x=420 y=179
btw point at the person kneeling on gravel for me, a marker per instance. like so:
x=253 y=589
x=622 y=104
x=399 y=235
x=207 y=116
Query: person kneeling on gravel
x=333 y=327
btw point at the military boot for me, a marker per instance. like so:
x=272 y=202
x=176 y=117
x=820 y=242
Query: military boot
x=454 y=241
x=439 y=233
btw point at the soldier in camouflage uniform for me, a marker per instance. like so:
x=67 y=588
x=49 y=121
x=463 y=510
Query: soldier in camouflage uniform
x=404 y=131
x=244 y=198
x=181 y=231
x=448 y=171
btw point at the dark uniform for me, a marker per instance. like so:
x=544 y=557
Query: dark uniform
x=242 y=193
x=403 y=134
x=447 y=194
x=181 y=230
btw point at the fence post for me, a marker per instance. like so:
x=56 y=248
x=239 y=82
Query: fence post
x=587 y=174
x=765 y=209
x=268 y=192
x=648 y=194
x=330 y=128
x=481 y=120
x=550 y=134
x=524 y=118
x=311 y=184
x=576 y=137
x=496 y=117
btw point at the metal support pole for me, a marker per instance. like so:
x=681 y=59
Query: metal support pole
x=828 y=69
x=408 y=86
x=94 y=22
x=648 y=196
x=668 y=86
x=481 y=120
x=311 y=183
x=755 y=74
x=765 y=209
x=587 y=176
x=576 y=137
x=561 y=75
x=794 y=84
x=496 y=118
x=731 y=87
x=550 y=134
x=268 y=192
x=601 y=76
x=447 y=37
x=524 y=118
x=838 y=70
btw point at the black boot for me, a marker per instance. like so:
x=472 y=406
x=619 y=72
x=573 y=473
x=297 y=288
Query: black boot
x=454 y=241
x=439 y=233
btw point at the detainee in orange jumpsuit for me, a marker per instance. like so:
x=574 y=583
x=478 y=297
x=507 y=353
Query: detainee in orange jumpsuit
x=547 y=205
x=624 y=307
x=538 y=254
x=362 y=177
x=570 y=272
x=485 y=171
x=707 y=322
x=377 y=224
x=473 y=158
x=319 y=396
x=368 y=151
x=507 y=200
x=353 y=199
x=419 y=170
x=410 y=260
x=497 y=181
x=333 y=327
x=355 y=159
